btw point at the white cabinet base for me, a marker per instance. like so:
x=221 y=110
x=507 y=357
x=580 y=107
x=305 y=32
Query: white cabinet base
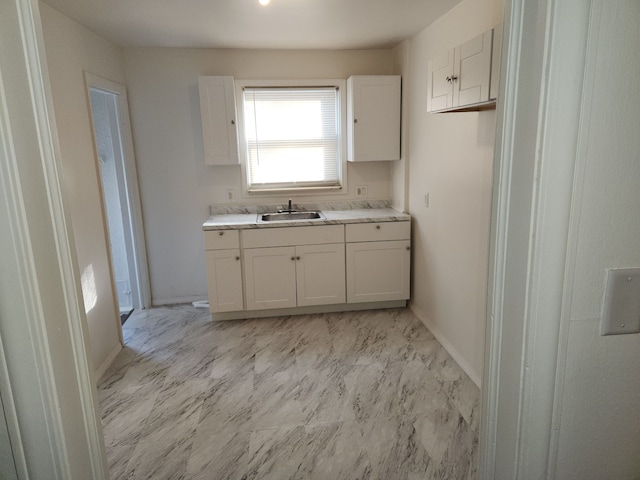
x=378 y=271
x=224 y=280
x=277 y=312
x=320 y=274
x=270 y=277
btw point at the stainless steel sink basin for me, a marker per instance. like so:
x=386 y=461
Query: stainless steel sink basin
x=287 y=216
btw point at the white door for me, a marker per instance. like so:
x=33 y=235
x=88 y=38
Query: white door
x=270 y=277
x=218 y=114
x=121 y=200
x=472 y=70
x=224 y=276
x=378 y=271
x=439 y=83
x=376 y=103
x=320 y=274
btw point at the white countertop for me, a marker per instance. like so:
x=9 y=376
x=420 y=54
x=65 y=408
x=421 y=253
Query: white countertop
x=239 y=221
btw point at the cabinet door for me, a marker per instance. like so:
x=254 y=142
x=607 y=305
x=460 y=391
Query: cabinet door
x=472 y=70
x=374 y=117
x=270 y=277
x=224 y=277
x=378 y=271
x=439 y=83
x=320 y=274
x=218 y=112
x=496 y=58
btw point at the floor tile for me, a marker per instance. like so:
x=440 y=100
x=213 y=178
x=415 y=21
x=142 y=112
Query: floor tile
x=366 y=395
x=394 y=448
x=159 y=461
x=375 y=391
x=216 y=454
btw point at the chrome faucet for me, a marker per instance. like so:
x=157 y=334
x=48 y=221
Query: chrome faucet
x=289 y=208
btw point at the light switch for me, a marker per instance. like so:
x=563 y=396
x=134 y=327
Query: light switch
x=621 y=312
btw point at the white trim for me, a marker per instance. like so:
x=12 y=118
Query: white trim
x=455 y=354
x=156 y=302
x=57 y=407
x=589 y=71
x=506 y=107
x=280 y=312
x=8 y=410
x=535 y=173
x=343 y=188
x=108 y=361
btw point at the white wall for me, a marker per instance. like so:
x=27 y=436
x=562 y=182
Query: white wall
x=176 y=186
x=451 y=159
x=599 y=429
x=400 y=169
x=72 y=49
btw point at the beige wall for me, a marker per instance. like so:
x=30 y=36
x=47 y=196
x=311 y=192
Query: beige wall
x=72 y=49
x=450 y=157
x=176 y=186
x=599 y=434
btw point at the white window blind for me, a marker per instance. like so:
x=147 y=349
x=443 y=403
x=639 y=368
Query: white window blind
x=292 y=137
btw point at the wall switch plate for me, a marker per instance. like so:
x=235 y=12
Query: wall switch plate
x=230 y=195
x=621 y=313
x=361 y=191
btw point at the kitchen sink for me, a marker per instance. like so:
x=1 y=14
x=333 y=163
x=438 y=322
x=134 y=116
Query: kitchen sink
x=286 y=216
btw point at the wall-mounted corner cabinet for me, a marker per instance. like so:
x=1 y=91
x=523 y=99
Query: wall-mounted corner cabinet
x=373 y=117
x=466 y=77
x=218 y=111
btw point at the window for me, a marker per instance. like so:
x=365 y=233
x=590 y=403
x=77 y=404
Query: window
x=292 y=137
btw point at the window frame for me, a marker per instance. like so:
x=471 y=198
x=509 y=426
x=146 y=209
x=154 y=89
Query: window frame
x=341 y=86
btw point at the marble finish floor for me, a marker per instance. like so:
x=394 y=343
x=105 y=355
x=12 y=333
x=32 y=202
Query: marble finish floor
x=356 y=395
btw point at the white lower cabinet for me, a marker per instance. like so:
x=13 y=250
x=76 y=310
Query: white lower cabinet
x=224 y=271
x=378 y=262
x=270 y=277
x=320 y=274
x=304 y=275
x=378 y=271
x=225 y=280
x=307 y=266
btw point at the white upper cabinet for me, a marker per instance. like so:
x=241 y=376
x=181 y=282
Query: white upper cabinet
x=461 y=78
x=218 y=111
x=439 y=82
x=373 y=117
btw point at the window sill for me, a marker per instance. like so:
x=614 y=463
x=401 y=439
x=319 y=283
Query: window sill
x=257 y=191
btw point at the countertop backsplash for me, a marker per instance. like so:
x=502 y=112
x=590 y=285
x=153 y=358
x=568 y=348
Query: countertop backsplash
x=303 y=206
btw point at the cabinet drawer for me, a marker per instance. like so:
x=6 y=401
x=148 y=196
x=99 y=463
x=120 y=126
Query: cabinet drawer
x=309 y=235
x=375 y=232
x=221 y=239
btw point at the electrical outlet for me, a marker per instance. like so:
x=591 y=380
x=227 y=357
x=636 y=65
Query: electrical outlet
x=361 y=191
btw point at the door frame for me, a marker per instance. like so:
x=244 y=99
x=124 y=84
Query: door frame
x=54 y=420
x=134 y=239
x=538 y=125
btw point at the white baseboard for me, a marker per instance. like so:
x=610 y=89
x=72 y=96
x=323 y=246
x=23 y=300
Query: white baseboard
x=278 y=312
x=156 y=302
x=108 y=361
x=460 y=360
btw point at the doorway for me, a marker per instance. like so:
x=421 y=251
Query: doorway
x=114 y=151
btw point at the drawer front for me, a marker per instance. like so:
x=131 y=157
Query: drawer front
x=221 y=239
x=308 y=235
x=376 y=232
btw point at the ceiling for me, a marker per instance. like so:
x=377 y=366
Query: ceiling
x=283 y=24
